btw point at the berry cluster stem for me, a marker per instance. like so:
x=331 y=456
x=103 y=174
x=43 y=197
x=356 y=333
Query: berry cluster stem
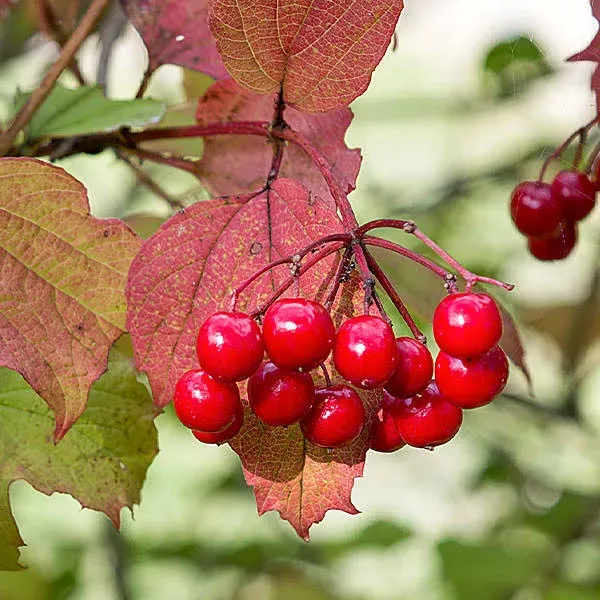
x=387 y=285
x=293 y=259
x=318 y=257
x=410 y=227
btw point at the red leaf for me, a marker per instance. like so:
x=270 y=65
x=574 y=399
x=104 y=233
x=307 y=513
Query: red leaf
x=321 y=53
x=62 y=284
x=186 y=270
x=592 y=53
x=176 y=32
x=237 y=164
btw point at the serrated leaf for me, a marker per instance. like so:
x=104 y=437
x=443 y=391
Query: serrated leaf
x=592 y=53
x=320 y=53
x=239 y=164
x=103 y=459
x=186 y=271
x=176 y=32
x=86 y=110
x=62 y=283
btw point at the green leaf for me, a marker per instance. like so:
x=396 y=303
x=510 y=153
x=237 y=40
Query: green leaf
x=572 y=592
x=102 y=460
x=85 y=110
x=512 y=65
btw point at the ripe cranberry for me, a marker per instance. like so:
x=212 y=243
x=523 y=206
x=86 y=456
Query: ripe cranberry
x=280 y=396
x=298 y=333
x=535 y=211
x=575 y=192
x=467 y=324
x=364 y=351
x=555 y=247
x=384 y=436
x=230 y=346
x=336 y=418
x=227 y=434
x=204 y=403
x=414 y=368
x=471 y=382
x=427 y=419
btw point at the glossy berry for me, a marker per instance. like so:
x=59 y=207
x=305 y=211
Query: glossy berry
x=427 y=419
x=364 y=351
x=336 y=418
x=535 y=211
x=467 y=324
x=298 y=333
x=575 y=192
x=414 y=368
x=471 y=382
x=280 y=396
x=555 y=247
x=204 y=403
x=230 y=346
x=383 y=435
x=220 y=437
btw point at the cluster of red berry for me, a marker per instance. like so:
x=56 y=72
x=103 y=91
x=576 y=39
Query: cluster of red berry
x=298 y=335
x=548 y=213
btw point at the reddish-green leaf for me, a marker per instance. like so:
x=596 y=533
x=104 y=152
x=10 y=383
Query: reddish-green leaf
x=176 y=32
x=62 y=283
x=321 y=53
x=592 y=53
x=102 y=460
x=185 y=272
x=238 y=164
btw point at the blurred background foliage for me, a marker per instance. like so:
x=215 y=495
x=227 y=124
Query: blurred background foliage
x=472 y=100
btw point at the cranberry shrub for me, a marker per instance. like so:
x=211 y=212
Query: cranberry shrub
x=259 y=313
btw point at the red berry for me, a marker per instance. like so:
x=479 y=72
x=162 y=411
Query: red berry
x=384 y=436
x=427 y=419
x=535 y=211
x=555 y=247
x=414 y=368
x=364 y=351
x=204 y=403
x=230 y=346
x=336 y=418
x=280 y=396
x=227 y=434
x=298 y=333
x=472 y=382
x=467 y=324
x=575 y=192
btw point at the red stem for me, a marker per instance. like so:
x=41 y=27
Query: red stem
x=470 y=278
x=387 y=285
x=581 y=132
x=447 y=276
x=293 y=258
x=290 y=280
x=337 y=279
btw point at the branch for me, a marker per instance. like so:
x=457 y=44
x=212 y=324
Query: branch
x=41 y=93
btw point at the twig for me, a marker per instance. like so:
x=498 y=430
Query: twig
x=40 y=94
x=146 y=180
